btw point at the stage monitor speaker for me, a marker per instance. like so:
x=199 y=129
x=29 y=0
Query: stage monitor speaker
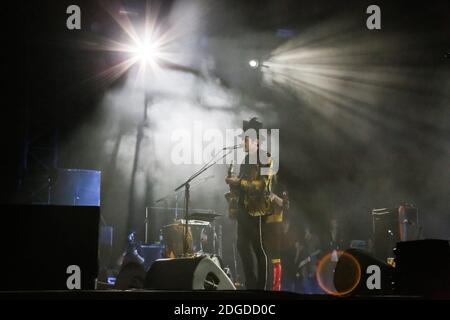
x=347 y=277
x=131 y=276
x=39 y=243
x=200 y=273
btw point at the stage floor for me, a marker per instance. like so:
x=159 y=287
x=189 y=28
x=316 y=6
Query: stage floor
x=241 y=295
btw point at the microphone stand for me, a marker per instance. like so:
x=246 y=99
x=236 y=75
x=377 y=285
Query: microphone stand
x=186 y=185
x=147 y=215
x=167 y=196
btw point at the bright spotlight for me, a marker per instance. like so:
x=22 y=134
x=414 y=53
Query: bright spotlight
x=253 y=63
x=146 y=52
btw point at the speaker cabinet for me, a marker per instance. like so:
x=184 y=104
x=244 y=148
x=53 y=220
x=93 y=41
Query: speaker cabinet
x=391 y=225
x=200 y=273
x=386 y=232
x=423 y=267
x=39 y=243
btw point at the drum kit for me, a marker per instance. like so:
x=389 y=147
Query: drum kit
x=203 y=236
x=195 y=234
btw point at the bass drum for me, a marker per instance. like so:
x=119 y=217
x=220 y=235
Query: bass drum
x=173 y=235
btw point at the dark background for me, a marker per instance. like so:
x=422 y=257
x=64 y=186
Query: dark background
x=330 y=166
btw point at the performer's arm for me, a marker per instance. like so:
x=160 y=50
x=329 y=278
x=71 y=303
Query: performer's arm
x=277 y=200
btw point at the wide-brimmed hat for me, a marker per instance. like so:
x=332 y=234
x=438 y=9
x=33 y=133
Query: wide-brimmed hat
x=254 y=124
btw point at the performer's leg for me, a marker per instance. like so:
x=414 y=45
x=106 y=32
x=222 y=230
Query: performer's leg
x=276 y=255
x=272 y=244
x=267 y=233
x=276 y=279
x=246 y=254
x=261 y=257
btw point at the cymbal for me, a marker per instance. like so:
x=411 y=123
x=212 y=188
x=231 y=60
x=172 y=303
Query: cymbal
x=204 y=216
x=192 y=222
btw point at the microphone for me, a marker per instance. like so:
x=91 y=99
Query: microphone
x=237 y=146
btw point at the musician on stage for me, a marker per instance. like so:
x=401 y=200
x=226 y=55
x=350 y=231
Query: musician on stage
x=309 y=251
x=254 y=203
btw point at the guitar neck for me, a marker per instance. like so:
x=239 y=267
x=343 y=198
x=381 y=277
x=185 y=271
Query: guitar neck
x=230 y=170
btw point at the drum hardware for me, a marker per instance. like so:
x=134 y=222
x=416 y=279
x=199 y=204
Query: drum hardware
x=203 y=238
x=201 y=216
x=179 y=211
x=183 y=228
x=204 y=216
x=173 y=240
x=219 y=240
x=146 y=225
x=186 y=186
x=202 y=235
x=193 y=222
